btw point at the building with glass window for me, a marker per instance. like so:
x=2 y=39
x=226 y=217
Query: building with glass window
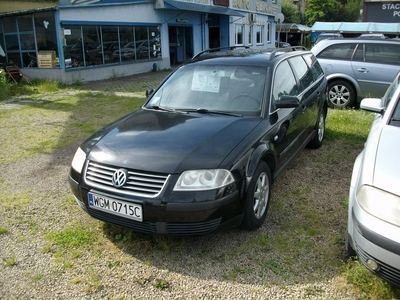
x=83 y=40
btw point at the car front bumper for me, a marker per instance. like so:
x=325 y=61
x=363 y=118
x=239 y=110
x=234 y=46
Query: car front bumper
x=171 y=218
x=376 y=249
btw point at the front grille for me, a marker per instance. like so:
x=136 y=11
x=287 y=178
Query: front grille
x=184 y=229
x=138 y=184
x=385 y=271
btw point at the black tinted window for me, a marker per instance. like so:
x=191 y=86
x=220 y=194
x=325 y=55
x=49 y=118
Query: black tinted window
x=302 y=71
x=338 y=51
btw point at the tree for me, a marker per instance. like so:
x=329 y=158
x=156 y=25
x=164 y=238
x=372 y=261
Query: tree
x=351 y=10
x=333 y=11
x=322 y=10
x=291 y=13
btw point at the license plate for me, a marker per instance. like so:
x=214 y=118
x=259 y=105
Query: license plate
x=117 y=207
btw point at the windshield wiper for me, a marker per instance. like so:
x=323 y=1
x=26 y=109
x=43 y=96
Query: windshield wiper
x=157 y=107
x=217 y=112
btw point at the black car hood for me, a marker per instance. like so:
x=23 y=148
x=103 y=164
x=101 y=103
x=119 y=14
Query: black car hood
x=169 y=142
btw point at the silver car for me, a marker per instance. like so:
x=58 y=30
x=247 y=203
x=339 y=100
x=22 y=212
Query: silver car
x=357 y=68
x=373 y=229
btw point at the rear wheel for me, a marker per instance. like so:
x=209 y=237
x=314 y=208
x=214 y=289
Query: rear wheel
x=258 y=196
x=318 y=139
x=341 y=94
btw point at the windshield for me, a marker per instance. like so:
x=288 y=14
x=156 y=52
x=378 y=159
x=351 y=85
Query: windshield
x=231 y=89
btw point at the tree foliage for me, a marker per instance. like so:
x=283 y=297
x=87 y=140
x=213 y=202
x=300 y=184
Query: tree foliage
x=333 y=11
x=292 y=13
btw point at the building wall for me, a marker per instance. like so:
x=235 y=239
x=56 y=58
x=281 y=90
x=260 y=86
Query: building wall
x=71 y=18
x=381 y=11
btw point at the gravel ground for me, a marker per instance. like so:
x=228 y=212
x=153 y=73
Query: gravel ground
x=270 y=263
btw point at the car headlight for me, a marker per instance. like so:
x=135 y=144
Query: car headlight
x=380 y=204
x=78 y=160
x=199 y=180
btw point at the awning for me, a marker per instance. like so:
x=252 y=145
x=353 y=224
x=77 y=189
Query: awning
x=356 y=27
x=211 y=9
x=26 y=11
x=291 y=27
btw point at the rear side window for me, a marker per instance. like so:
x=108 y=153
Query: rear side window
x=302 y=71
x=382 y=53
x=314 y=65
x=338 y=51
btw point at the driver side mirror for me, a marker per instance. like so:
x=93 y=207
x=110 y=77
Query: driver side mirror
x=286 y=101
x=149 y=92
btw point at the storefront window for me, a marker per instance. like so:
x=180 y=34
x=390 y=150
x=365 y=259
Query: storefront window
x=25 y=23
x=239 y=34
x=155 y=42
x=268 y=33
x=10 y=24
x=27 y=38
x=21 y=42
x=259 y=38
x=250 y=34
x=73 y=49
x=142 y=43
x=126 y=40
x=104 y=52
x=91 y=42
x=45 y=28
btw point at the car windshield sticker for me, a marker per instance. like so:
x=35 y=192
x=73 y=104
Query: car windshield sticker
x=205 y=81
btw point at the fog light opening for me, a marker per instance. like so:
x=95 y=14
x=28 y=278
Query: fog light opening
x=373 y=265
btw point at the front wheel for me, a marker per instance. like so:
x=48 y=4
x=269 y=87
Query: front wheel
x=258 y=196
x=319 y=136
x=350 y=252
x=341 y=94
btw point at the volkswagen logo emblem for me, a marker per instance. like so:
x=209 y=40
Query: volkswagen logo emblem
x=119 y=178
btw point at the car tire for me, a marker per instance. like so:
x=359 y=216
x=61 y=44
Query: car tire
x=258 y=198
x=340 y=94
x=350 y=252
x=319 y=136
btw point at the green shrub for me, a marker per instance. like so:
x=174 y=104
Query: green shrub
x=4 y=86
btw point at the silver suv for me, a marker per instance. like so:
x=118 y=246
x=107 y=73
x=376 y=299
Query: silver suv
x=357 y=68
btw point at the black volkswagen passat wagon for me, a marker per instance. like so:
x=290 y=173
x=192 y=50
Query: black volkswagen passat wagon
x=201 y=154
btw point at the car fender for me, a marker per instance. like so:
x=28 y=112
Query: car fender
x=264 y=152
x=339 y=76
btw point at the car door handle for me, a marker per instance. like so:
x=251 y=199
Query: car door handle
x=363 y=70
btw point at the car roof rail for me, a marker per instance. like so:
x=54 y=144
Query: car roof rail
x=278 y=51
x=272 y=51
x=218 y=49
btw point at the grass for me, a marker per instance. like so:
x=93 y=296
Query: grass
x=77 y=117
x=369 y=286
x=72 y=238
x=351 y=126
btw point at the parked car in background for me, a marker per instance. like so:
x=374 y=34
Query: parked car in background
x=133 y=50
x=202 y=153
x=373 y=230
x=372 y=36
x=357 y=68
x=328 y=35
x=282 y=45
x=104 y=51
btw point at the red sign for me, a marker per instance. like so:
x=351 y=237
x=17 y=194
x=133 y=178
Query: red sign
x=221 y=2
